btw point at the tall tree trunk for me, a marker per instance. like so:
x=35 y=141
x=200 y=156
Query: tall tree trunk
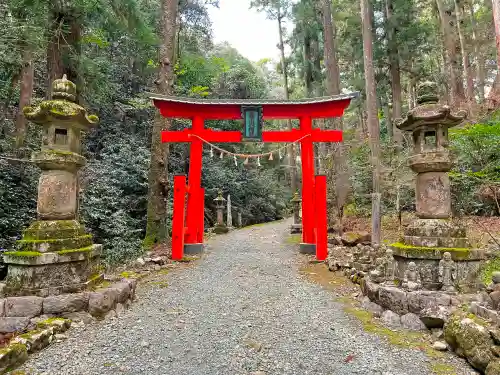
x=453 y=66
x=479 y=57
x=494 y=96
x=25 y=95
x=340 y=175
x=395 y=73
x=63 y=48
x=467 y=70
x=156 y=230
x=308 y=69
x=373 y=123
x=14 y=79
x=294 y=183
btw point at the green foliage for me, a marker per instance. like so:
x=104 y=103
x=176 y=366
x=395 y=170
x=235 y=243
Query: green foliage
x=114 y=201
x=478 y=166
x=18 y=186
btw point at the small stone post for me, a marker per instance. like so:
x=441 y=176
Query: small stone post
x=220 y=227
x=55 y=253
x=297 y=221
x=240 y=219
x=229 y=220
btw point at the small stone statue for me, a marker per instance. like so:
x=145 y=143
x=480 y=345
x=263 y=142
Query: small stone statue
x=390 y=267
x=357 y=252
x=411 y=279
x=378 y=274
x=447 y=273
x=495 y=283
x=365 y=254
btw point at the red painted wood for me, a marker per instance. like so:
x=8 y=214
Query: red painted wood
x=307 y=156
x=178 y=217
x=195 y=161
x=201 y=226
x=270 y=111
x=317 y=135
x=207 y=134
x=321 y=218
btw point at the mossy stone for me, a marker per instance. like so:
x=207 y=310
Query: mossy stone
x=55 y=244
x=420 y=252
x=54 y=229
x=470 y=340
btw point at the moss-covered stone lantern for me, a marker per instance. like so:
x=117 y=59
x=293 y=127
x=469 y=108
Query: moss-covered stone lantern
x=55 y=253
x=297 y=222
x=220 y=201
x=434 y=233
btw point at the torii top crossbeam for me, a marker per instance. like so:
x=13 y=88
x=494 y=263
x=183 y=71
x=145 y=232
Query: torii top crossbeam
x=230 y=109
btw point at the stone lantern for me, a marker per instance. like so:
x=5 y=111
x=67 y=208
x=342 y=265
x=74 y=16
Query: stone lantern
x=55 y=254
x=433 y=234
x=297 y=222
x=220 y=227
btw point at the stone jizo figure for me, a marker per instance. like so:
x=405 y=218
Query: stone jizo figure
x=492 y=295
x=390 y=267
x=411 y=279
x=495 y=282
x=447 y=273
x=378 y=274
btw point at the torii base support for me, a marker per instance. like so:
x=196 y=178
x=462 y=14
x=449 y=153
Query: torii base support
x=308 y=248
x=193 y=248
x=320 y=247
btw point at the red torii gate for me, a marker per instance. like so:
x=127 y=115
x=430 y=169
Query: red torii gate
x=188 y=226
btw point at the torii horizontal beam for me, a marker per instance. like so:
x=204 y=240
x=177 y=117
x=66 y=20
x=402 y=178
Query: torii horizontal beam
x=212 y=136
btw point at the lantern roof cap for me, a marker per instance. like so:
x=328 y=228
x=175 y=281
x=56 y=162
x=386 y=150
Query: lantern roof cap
x=296 y=197
x=62 y=108
x=219 y=198
x=429 y=112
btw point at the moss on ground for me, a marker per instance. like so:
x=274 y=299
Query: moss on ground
x=50 y=321
x=294 y=239
x=161 y=284
x=130 y=275
x=442 y=369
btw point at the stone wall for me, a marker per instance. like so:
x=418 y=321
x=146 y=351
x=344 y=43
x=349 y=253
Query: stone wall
x=18 y=314
x=424 y=303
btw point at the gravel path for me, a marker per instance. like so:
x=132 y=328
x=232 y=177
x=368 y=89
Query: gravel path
x=244 y=309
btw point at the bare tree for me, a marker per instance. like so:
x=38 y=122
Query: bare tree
x=156 y=230
x=373 y=123
x=340 y=176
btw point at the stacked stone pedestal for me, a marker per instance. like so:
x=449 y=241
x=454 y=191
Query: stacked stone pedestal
x=426 y=241
x=54 y=257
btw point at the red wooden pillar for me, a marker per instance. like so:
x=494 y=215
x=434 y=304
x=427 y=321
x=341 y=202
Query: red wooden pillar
x=194 y=206
x=308 y=221
x=321 y=218
x=178 y=217
x=201 y=227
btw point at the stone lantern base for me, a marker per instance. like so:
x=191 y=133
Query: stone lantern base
x=53 y=257
x=425 y=242
x=295 y=228
x=220 y=229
